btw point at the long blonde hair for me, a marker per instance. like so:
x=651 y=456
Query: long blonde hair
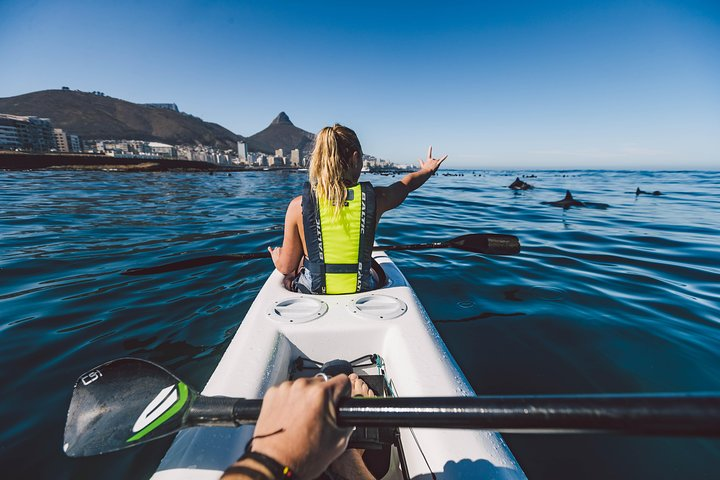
x=331 y=163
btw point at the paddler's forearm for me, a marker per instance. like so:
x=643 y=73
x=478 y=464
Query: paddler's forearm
x=415 y=180
x=392 y=196
x=285 y=261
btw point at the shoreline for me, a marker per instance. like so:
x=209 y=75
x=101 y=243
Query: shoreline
x=90 y=161
x=24 y=161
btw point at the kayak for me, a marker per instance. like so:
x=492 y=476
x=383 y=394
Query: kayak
x=283 y=336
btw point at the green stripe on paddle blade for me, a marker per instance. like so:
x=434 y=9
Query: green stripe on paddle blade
x=180 y=392
x=122 y=403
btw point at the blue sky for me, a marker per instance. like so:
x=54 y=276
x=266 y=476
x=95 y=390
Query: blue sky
x=493 y=84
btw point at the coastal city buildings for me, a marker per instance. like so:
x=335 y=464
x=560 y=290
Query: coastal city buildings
x=35 y=134
x=9 y=138
x=295 y=158
x=32 y=134
x=242 y=152
x=371 y=163
x=164 y=106
x=162 y=149
x=65 y=142
x=61 y=143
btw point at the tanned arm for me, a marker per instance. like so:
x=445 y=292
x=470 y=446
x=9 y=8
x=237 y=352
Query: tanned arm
x=392 y=196
x=287 y=258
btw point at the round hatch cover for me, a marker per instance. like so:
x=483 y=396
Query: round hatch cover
x=378 y=307
x=298 y=310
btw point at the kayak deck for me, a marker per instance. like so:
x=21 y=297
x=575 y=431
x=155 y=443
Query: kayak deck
x=282 y=325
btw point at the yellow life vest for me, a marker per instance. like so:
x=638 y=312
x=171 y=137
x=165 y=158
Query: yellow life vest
x=340 y=247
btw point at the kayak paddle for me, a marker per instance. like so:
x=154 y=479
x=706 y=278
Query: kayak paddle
x=486 y=243
x=129 y=401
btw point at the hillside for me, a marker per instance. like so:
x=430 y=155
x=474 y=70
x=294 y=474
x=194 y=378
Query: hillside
x=100 y=117
x=281 y=133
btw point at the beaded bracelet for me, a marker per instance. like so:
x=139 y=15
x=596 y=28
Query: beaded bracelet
x=278 y=470
x=247 y=471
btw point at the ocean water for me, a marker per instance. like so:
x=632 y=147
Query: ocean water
x=621 y=299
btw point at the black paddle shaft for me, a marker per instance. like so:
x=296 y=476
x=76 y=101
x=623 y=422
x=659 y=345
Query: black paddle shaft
x=417 y=246
x=495 y=244
x=487 y=244
x=128 y=401
x=659 y=414
x=640 y=414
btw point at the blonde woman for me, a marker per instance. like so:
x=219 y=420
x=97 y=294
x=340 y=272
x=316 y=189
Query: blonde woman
x=330 y=228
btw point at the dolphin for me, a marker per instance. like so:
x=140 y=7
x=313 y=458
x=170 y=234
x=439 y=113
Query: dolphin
x=520 y=185
x=569 y=201
x=643 y=192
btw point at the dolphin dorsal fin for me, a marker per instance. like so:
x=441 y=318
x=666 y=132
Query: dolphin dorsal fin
x=568 y=195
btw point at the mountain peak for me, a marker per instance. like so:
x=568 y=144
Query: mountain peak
x=282 y=118
x=281 y=133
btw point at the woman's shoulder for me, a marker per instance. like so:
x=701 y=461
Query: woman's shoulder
x=294 y=210
x=295 y=202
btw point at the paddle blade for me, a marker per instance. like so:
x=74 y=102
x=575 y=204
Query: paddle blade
x=123 y=403
x=195 y=262
x=489 y=244
x=171 y=267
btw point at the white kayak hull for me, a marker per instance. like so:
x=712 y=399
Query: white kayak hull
x=390 y=322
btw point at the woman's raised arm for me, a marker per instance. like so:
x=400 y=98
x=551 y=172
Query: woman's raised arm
x=393 y=195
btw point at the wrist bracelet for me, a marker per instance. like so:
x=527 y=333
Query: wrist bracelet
x=278 y=470
x=247 y=471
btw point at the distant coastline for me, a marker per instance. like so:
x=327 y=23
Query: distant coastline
x=94 y=161
x=91 y=161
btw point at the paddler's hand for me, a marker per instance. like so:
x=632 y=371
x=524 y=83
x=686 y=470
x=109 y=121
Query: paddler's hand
x=303 y=414
x=275 y=253
x=431 y=164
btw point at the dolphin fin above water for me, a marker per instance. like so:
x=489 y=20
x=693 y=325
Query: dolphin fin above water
x=643 y=192
x=569 y=201
x=566 y=202
x=520 y=185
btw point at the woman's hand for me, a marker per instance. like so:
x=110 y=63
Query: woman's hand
x=275 y=253
x=431 y=164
